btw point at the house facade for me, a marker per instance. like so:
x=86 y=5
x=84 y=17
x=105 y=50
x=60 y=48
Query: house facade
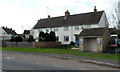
x=68 y=27
x=6 y=33
x=26 y=33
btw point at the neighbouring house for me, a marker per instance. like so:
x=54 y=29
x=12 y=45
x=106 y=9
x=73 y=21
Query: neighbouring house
x=6 y=33
x=26 y=33
x=68 y=27
x=94 y=40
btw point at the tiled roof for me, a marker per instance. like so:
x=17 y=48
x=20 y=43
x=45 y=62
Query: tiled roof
x=26 y=32
x=9 y=30
x=113 y=30
x=77 y=19
x=93 y=32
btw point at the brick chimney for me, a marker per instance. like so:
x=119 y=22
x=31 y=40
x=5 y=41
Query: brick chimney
x=67 y=13
x=95 y=10
x=48 y=16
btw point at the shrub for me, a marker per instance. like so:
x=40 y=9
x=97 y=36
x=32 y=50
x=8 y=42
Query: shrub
x=72 y=43
x=41 y=36
x=18 y=39
x=52 y=36
x=12 y=39
x=47 y=37
x=31 y=39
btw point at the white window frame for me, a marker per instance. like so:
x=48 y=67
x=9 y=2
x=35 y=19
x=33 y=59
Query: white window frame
x=65 y=38
x=55 y=29
x=66 y=28
x=77 y=27
x=47 y=30
x=40 y=30
x=86 y=26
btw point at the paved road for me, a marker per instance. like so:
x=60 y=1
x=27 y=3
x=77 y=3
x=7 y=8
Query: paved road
x=18 y=61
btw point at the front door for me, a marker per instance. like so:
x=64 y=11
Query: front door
x=77 y=40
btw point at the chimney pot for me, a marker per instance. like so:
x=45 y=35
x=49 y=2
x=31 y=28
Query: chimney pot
x=67 y=13
x=48 y=16
x=95 y=10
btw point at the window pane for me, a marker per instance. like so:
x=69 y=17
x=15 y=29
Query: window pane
x=55 y=29
x=47 y=30
x=66 y=28
x=66 y=38
x=86 y=26
x=76 y=27
x=39 y=30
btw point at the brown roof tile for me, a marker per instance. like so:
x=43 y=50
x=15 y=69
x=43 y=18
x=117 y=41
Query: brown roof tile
x=78 y=19
x=93 y=32
x=9 y=30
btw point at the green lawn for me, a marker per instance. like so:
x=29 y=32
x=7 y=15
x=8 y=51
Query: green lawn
x=63 y=51
x=0 y=48
x=101 y=56
x=41 y=50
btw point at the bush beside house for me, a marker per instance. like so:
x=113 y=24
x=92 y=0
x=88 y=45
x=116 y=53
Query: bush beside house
x=47 y=37
x=16 y=39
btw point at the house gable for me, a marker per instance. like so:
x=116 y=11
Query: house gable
x=2 y=32
x=9 y=30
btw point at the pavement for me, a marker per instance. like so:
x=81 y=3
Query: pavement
x=104 y=62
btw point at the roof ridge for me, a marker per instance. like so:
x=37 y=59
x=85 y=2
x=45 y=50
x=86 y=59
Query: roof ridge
x=74 y=14
x=75 y=19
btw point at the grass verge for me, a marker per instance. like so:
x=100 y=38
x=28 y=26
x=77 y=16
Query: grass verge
x=64 y=51
x=101 y=56
x=41 y=50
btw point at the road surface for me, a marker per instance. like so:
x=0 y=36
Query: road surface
x=20 y=61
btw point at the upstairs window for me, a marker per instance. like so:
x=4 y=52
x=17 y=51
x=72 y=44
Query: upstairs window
x=47 y=30
x=40 y=30
x=55 y=29
x=86 y=26
x=66 y=28
x=76 y=27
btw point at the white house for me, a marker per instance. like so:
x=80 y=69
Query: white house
x=26 y=33
x=68 y=27
x=6 y=33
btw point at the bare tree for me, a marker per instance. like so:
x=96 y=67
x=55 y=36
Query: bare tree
x=114 y=19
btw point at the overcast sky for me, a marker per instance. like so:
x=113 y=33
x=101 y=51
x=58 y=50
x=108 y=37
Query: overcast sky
x=24 y=14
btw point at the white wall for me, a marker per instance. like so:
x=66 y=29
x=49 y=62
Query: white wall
x=4 y=35
x=2 y=32
x=61 y=33
x=103 y=21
